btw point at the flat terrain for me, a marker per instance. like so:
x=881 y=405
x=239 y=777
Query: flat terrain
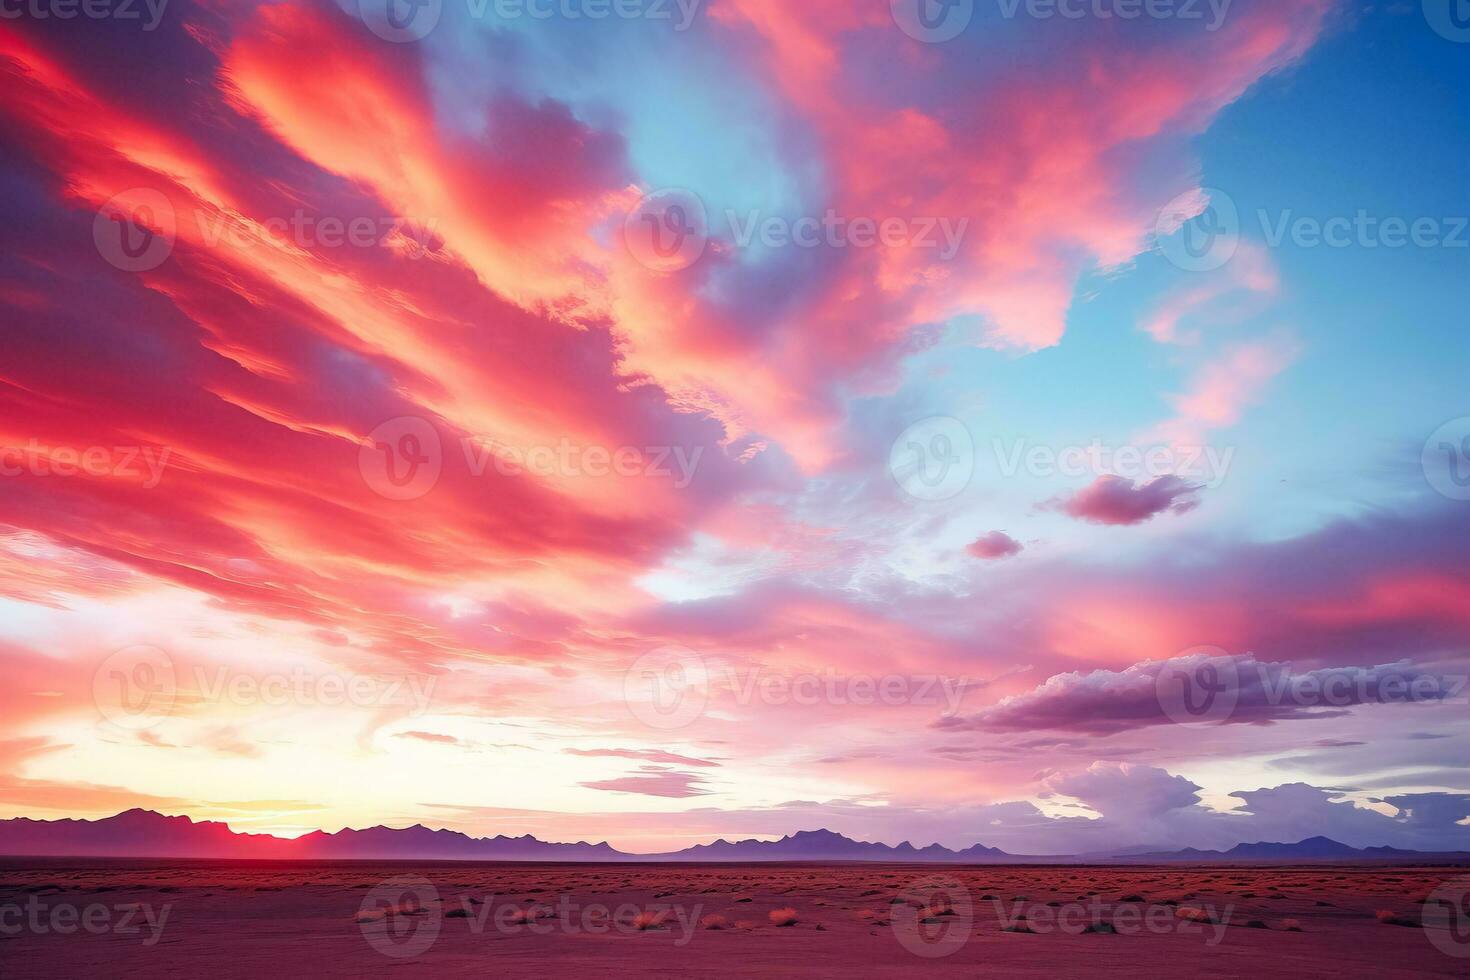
x=87 y=918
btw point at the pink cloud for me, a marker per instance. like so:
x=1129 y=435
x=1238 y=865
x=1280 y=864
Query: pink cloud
x=654 y=781
x=1118 y=501
x=996 y=544
x=647 y=755
x=1220 y=391
x=430 y=737
x=1241 y=288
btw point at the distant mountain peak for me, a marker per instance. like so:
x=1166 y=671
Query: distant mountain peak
x=144 y=833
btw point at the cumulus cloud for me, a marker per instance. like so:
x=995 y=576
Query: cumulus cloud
x=996 y=544
x=1125 y=791
x=1117 y=500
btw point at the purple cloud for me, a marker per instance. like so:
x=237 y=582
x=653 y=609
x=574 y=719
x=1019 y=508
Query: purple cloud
x=1118 y=501
x=1106 y=702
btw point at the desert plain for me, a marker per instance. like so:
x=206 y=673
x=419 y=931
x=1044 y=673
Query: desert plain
x=88 y=917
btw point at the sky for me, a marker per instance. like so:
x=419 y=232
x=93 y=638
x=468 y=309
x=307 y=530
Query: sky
x=1040 y=425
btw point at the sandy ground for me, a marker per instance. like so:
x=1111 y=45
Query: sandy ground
x=128 y=919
